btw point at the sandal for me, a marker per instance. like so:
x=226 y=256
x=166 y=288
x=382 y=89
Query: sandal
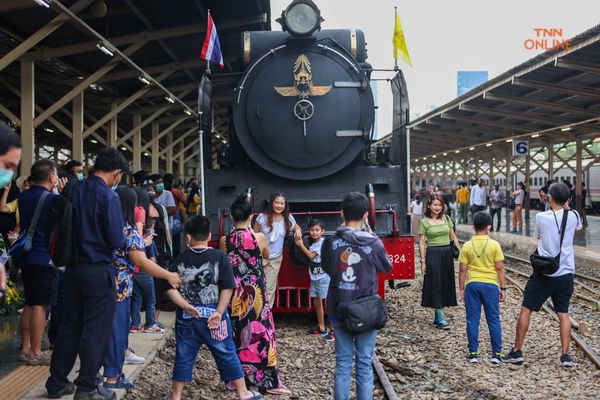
x=23 y=357
x=255 y=395
x=280 y=391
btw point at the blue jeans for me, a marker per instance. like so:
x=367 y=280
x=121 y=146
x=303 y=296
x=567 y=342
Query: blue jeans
x=191 y=333
x=115 y=353
x=346 y=345
x=488 y=295
x=143 y=289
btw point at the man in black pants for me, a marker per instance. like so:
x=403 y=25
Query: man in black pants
x=90 y=286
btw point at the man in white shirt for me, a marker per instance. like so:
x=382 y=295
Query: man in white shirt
x=164 y=197
x=478 y=197
x=558 y=286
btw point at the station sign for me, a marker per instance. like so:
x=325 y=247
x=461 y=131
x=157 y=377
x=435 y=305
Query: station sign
x=521 y=148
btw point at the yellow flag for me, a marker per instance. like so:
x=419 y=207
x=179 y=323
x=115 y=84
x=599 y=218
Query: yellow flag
x=400 y=49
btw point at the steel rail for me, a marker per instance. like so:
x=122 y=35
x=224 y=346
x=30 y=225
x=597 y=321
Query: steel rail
x=390 y=393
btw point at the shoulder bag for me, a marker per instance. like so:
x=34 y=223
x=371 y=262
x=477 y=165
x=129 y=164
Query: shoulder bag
x=24 y=242
x=455 y=251
x=549 y=265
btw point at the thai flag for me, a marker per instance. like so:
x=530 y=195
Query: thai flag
x=211 y=49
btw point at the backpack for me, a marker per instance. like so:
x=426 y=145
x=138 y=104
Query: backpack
x=61 y=231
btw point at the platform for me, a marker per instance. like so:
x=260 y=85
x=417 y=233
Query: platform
x=25 y=382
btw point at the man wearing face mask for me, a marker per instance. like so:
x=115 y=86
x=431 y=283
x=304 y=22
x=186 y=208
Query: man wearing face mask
x=10 y=156
x=40 y=277
x=90 y=288
x=73 y=171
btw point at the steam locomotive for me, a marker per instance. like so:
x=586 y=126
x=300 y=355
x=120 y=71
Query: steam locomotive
x=302 y=122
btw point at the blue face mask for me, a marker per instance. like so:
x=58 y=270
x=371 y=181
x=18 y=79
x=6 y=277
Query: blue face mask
x=79 y=175
x=5 y=176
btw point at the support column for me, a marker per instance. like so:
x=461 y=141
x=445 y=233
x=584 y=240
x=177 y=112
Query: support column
x=155 y=149
x=527 y=187
x=444 y=176
x=491 y=176
x=112 y=131
x=181 y=163
x=27 y=116
x=137 y=144
x=77 y=142
x=508 y=180
x=578 y=176
x=550 y=161
x=170 y=153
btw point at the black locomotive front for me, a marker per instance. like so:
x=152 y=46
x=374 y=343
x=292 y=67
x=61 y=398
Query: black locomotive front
x=303 y=115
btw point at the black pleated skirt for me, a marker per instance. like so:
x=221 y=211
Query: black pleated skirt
x=439 y=288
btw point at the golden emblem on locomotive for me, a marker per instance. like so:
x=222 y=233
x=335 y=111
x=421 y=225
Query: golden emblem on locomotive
x=303 y=83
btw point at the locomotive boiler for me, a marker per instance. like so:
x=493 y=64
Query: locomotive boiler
x=302 y=124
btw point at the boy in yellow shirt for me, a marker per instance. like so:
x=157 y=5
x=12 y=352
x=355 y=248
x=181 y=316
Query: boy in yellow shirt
x=482 y=267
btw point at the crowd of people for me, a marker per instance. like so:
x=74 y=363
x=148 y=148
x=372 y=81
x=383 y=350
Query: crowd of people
x=148 y=245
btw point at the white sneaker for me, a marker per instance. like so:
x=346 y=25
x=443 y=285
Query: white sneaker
x=132 y=358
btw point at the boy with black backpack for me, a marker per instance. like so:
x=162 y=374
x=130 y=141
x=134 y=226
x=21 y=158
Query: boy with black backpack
x=353 y=258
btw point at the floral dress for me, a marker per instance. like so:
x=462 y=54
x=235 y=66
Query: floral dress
x=251 y=317
x=123 y=267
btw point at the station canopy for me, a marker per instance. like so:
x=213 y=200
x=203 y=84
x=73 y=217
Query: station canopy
x=553 y=97
x=164 y=38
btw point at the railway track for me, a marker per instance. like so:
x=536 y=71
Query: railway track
x=547 y=307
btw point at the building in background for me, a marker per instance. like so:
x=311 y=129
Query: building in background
x=467 y=80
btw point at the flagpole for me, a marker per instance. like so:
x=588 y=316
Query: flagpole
x=395 y=50
x=201 y=139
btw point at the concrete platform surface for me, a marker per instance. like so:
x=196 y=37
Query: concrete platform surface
x=145 y=345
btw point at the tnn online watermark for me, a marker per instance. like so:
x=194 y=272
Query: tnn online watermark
x=547 y=39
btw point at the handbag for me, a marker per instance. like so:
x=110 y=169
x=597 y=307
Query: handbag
x=363 y=314
x=455 y=251
x=24 y=242
x=549 y=265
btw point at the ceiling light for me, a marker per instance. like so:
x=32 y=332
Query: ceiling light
x=424 y=158
x=535 y=135
x=456 y=151
x=105 y=48
x=445 y=154
x=45 y=3
x=169 y=99
x=224 y=141
x=49 y=130
x=433 y=156
x=471 y=148
x=146 y=154
x=188 y=112
x=93 y=141
x=509 y=140
x=123 y=148
x=568 y=128
x=488 y=145
x=144 y=79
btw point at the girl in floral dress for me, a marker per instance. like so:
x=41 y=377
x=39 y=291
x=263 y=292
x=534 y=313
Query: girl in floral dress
x=251 y=318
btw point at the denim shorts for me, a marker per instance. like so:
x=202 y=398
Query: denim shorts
x=191 y=333
x=320 y=287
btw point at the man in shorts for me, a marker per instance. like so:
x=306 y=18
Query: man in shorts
x=558 y=286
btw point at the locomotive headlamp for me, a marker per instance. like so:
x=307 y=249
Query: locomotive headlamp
x=301 y=18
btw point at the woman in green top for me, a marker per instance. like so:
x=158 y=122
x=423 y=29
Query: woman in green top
x=437 y=265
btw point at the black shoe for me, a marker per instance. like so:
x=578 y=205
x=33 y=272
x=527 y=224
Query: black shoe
x=100 y=393
x=69 y=389
x=567 y=361
x=514 y=357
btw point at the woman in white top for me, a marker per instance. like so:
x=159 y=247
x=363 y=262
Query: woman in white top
x=517 y=216
x=416 y=214
x=275 y=223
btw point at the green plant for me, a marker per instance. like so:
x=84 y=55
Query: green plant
x=14 y=301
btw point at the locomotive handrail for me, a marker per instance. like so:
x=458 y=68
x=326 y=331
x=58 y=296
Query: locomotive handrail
x=241 y=86
x=325 y=47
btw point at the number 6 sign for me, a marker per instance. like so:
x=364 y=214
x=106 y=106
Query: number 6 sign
x=521 y=148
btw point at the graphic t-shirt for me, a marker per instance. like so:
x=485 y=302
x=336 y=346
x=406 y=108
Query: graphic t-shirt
x=316 y=271
x=204 y=273
x=122 y=266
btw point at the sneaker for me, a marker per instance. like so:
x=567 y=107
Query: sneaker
x=42 y=359
x=513 y=231
x=473 y=357
x=567 y=361
x=160 y=324
x=514 y=357
x=100 y=393
x=133 y=358
x=135 y=329
x=153 y=329
x=121 y=383
x=329 y=337
x=496 y=358
x=315 y=330
x=67 y=390
x=443 y=325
